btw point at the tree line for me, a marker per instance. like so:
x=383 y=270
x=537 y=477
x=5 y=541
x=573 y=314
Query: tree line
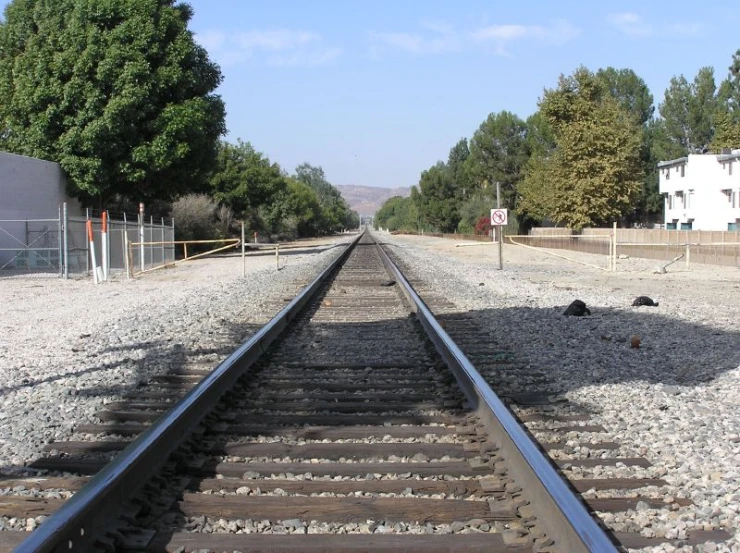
x=587 y=157
x=123 y=98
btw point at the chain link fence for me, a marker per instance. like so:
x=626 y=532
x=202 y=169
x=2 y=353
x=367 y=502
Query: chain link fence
x=60 y=247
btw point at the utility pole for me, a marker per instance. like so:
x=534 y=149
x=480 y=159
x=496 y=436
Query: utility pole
x=500 y=230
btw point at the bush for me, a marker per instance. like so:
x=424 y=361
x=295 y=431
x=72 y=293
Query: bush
x=195 y=218
x=483 y=226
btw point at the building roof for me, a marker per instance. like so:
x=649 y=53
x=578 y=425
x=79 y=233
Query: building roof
x=672 y=162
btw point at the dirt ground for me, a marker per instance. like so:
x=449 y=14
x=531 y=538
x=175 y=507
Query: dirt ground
x=635 y=276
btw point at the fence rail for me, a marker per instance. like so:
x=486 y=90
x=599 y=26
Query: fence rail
x=697 y=246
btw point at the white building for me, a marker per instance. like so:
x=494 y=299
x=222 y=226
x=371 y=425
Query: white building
x=702 y=191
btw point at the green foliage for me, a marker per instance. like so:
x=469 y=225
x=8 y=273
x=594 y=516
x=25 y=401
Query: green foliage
x=498 y=153
x=688 y=111
x=594 y=174
x=397 y=213
x=249 y=184
x=630 y=91
x=117 y=92
x=436 y=199
x=476 y=205
x=458 y=168
x=195 y=217
x=336 y=214
x=634 y=97
x=727 y=118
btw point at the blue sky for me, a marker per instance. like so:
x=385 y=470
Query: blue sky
x=377 y=91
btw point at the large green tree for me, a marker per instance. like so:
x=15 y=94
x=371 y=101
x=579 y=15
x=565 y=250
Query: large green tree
x=397 y=213
x=336 y=213
x=594 y=173
x=687 y=113
x=436 y=198
x=727 y=117
x=116 y=91
x=498 y=153
x=246 y=181
x=634 y=96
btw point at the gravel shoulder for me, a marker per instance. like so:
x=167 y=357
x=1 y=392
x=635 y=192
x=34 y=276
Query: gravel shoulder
x=68 y=346
x=674 y=399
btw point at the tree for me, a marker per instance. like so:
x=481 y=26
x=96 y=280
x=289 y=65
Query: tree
x=727 y=118
x=688 y=112
x=634 y=96
x=630 y=91
x=118 y=93
x=397 y=213
x=436 y=198
x=302 y=209
x=498 y=153
x=458 y=169
x=336 y=214
x=246 y=181
x=594 y=174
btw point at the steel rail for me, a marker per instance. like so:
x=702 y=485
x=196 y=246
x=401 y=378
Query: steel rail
x=568 y=523
x=77 y=524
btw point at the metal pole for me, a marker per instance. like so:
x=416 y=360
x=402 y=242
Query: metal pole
x=163 y=251
x=123 y=241
x=614 y=249
x=65 y=252
x=87 y=244
x=244 y=257
x=277 y=257
x=141 y=235
x=500 y=228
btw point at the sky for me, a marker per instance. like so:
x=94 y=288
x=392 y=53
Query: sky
x=377 y=91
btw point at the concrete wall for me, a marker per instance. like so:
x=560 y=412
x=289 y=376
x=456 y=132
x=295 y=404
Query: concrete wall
x=702 y=190
x=32 y=189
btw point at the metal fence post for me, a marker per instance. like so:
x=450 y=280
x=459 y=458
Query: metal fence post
x=162 y=240
x=65 y=242
x=141 y=234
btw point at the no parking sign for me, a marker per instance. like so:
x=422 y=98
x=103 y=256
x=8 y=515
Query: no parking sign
x=499 y=217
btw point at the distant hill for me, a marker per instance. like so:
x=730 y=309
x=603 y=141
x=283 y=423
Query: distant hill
x=366 y=200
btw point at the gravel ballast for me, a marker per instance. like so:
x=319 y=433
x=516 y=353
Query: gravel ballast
x=67 y=347
x=674 y=399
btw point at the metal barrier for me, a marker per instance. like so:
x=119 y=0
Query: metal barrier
x=60 y=247
x=30 y=247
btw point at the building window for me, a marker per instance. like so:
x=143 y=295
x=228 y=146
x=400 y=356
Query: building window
x=689 y=198
x=729 y=168
x=667 y=174
x=669 y=201
x=683 y=172
x=686 y=226
x=671 y=226
x=732 y=226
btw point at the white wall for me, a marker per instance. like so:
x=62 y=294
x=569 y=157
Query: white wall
x=32 y=189
x=703 y=190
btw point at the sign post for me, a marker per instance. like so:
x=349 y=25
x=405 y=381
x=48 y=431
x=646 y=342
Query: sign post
x=499 y=218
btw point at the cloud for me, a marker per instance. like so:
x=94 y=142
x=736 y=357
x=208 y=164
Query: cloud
x=277 y=48
x=501 y=36
x=630 y=23
x=633 y=24
x=440 y=38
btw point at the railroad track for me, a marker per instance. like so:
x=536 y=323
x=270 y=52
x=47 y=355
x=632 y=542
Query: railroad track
x=361 y=427
x=578 y=444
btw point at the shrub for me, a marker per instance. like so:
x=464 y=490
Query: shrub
x=483 y=226
x=195 y=218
